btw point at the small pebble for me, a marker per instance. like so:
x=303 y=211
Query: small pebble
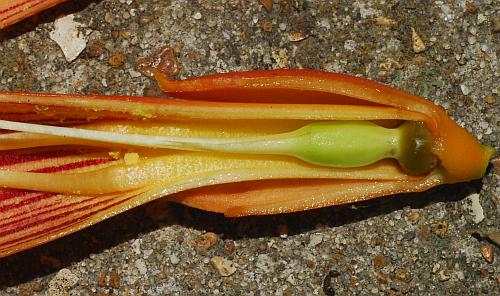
x=488 y=253
x=418 y=43
x=440 y=228
x=490 y=99
x=268 y=4
x=315 y=239
x=413 y=217
x=197 y=16
x=385 y=21
x=424 y=232
x=114 y=280
x=136 y=246
x=329 y=282
x=141 y=266
x=23 y=45
x=67 y=35
x=311 y=264
x=475 y=208
x=383 y=278
x=483 y=272
x=267 y=26
x=291 y=279
x=443 y=276
x=379 y=261
x=95 y=49
x=101 y=282
x=229 y=245
x=460 y=275
x=481 y=18
x=402 y=275
x=224 y=266
x=465 y=90
x=350 y=45
x=410 y=235
x=117 y=60
x=108 y=17
x=296 y=37
x=24 y=290
x=265 y=263
x=207 y=240
x=174 y=259
x=62 y=282
x=37 y=287
x=496 y=24
x=471 y=8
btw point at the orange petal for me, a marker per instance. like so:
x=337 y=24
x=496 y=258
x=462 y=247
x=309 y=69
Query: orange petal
x=285 y=196
x=74 y=108
x=13 y=11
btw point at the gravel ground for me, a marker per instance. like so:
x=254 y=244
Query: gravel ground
x=408 y=244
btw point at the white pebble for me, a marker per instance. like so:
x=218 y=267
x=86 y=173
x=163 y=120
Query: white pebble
x=315 y=239
x=174 y=259
x=136 y=246
x=67 y=35
x=291 y=280
x=62 y=282
x=147 y=253
x=350 y=45
x=141 y=266
x=465 y=89
x=197 y=16
x=480 y=18
x=475 y=208
x=224 y=266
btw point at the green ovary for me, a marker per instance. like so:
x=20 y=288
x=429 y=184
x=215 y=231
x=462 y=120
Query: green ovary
x=360 y=143
x=345 y=143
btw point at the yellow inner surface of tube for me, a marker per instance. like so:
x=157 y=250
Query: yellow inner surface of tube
x=143 y=167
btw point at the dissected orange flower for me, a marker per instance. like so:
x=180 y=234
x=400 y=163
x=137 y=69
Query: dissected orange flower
x=60 y=185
